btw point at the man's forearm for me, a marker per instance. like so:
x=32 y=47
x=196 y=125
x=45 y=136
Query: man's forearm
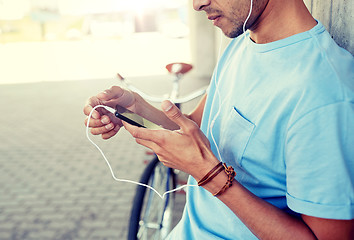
x=263 y=219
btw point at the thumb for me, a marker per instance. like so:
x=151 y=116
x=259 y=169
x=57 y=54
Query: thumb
x=173 y=113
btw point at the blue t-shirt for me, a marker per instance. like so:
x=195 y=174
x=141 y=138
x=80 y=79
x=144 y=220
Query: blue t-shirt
x=282 y=114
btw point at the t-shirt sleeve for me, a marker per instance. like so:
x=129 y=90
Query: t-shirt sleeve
x=320 y=162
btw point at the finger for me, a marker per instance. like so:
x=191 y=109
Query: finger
x=173 y=113
x=111 y=133
x=91 y=103
x=104 y=120
x=109 y=94
x=102 y=130
x=93 y=123
x=142 y=133
x=120 y=96
x=149 y=144
x=87 y=110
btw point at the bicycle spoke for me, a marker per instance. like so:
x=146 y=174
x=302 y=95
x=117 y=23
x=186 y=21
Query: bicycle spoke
x=156 y=219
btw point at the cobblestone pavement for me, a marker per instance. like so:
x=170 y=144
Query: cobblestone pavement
x=54 y=183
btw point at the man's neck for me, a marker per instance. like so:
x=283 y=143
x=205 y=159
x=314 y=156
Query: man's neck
x=281 y=19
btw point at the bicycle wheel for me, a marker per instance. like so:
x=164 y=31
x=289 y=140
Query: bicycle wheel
x=151 y=217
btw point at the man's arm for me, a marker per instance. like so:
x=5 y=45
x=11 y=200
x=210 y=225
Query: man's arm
x=262 y=218
x=269 y=222
x=330 y=228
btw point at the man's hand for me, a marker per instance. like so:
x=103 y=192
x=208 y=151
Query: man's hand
x=103 y=122
x=186 y=149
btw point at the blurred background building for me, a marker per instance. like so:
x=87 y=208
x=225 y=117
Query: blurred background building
x=90 y=39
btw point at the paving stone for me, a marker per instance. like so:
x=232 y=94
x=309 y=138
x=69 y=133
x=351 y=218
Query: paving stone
x=96 y=224
x=52 y=217
x=30 y=226
x=42 y=234
x=5 y=234
x=105 y=234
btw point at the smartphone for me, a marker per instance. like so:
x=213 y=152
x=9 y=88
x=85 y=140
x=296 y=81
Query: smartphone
x=134 y=119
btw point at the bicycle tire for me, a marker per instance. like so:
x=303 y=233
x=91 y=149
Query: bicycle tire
x=144 y=213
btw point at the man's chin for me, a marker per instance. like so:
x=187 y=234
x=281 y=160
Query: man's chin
x=233 y=34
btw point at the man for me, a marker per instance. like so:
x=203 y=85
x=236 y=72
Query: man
x=280 y=111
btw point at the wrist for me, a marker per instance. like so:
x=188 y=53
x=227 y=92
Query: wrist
x=217 y=183
x=218 y=179
x=202 y=169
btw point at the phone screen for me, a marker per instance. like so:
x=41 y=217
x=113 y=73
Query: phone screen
x=134 y=119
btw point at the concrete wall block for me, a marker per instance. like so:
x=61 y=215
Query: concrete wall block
x=337 y=17
x=342 y=20
x=321 y=10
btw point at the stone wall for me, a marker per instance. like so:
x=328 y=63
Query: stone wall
x=338 y=18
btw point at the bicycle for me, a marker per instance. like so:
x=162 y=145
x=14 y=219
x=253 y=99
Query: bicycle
x=152 y=217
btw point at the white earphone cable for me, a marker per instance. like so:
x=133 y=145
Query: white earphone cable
x=211 y=124
x=248 y=17
x=111 y=170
